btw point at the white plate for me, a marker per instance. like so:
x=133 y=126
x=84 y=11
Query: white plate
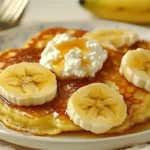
x=15 y=38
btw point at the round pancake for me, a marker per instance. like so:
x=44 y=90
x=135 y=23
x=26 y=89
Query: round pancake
x=51 y=118
x=40 y=40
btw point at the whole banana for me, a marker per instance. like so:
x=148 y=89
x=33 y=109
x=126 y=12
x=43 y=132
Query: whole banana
x=134 y=11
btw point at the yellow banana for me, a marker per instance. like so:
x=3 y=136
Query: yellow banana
x=28 y=84
x=134 y=11
x=97 y=108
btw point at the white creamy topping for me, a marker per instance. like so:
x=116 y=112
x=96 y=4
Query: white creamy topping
x=50 y=53
x=77 y=62
x=59 y=38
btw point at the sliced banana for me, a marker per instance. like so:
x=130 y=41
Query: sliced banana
x=135 y=66
x=113 y=38
x=27 y=84
x=97 y=108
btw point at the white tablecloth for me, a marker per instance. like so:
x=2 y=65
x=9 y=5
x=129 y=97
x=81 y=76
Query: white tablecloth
x=54 y=10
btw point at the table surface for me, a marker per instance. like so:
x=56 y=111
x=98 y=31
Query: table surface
x=54 y=10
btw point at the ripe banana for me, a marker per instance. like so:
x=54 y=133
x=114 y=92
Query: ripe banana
x=134 y=11
x=135 y=66
x=97 y=108
x=27 y=84
x=112 y=38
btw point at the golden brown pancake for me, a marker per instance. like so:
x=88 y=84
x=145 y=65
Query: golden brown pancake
x=51 y=118
x=41 y=39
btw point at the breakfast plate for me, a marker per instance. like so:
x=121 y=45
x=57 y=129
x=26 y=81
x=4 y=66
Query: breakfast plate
x=15 y=38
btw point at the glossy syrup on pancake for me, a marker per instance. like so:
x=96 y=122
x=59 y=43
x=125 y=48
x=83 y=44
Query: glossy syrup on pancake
x=109 y=75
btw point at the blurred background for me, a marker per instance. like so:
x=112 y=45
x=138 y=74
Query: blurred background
x=133 y=11
x=40 y=11
x=55 y=10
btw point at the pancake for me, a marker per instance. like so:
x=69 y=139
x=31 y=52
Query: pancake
x=40 y=40
x=51 y=118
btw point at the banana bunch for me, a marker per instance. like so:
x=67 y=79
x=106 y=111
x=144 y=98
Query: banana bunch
x=134 y=11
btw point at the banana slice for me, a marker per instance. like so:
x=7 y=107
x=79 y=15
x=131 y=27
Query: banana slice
x=135 y=66
x=97 y=108
x=113 y=38
x=27 y=84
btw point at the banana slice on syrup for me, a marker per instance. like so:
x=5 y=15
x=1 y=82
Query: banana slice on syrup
x=135 y=66
x=97 y=108
x=112 y=38
x=27 y=84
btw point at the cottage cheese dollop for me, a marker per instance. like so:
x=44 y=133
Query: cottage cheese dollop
x=69 y=57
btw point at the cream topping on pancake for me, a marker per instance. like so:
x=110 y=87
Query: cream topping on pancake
x=71 y=57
